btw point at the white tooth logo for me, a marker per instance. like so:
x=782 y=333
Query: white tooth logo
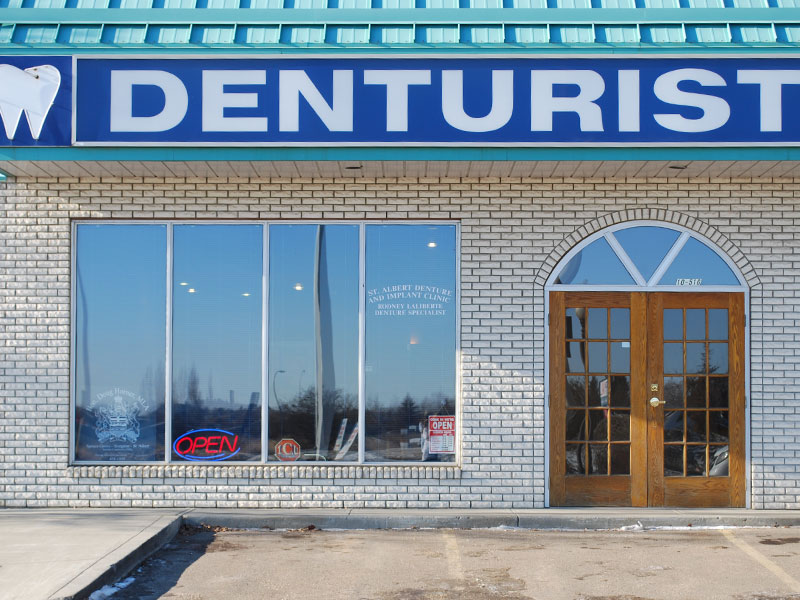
x=32 y=91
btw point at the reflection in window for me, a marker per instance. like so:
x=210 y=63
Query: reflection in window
x=698 y=263
x=313 y=341
x=646 y=246
x=120 y=342
x=216 y=342
x=410 y=339
x=595 y=264
x=635 y=254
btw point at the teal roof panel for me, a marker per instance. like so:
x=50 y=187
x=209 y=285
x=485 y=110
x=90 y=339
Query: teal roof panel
x=398 y=25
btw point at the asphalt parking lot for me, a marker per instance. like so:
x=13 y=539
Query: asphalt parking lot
x=477 y=564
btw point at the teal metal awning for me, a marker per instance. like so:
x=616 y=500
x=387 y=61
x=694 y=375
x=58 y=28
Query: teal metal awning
x=396 y=26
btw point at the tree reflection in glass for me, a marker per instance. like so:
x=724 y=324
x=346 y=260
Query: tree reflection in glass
x=313 y=341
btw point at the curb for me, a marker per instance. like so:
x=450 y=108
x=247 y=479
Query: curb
x=122 y=560
x=545 y=519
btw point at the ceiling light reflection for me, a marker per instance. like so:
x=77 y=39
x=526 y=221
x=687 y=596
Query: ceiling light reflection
x=298 y=287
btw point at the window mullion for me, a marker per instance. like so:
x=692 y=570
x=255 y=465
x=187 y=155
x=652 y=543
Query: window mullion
x=362 y=314
x=168 y=368
x=626 y=260
x=264 y=344
x=667 y=262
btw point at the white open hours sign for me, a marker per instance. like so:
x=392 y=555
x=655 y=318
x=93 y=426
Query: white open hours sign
x=442 y=434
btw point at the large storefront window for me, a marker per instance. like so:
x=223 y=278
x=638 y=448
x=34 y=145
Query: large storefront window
x=313 y=341
x=410 y=366
x=120 y=342
x=349 y=356
x=216 y=342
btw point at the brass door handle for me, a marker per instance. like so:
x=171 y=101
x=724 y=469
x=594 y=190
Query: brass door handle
x=654 y=402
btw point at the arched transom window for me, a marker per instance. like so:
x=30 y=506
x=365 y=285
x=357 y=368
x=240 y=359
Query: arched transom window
x=647 y=254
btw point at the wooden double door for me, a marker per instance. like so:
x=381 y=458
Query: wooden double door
x=647 y=399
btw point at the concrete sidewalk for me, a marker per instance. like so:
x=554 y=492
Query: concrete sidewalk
x=68 y=553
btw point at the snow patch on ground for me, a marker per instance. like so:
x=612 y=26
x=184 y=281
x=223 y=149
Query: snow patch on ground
x=109 y=590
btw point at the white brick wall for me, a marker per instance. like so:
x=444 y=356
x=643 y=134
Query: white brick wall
x=513 y=232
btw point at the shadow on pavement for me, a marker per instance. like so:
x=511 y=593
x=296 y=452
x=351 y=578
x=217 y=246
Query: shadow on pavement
x=161 y=572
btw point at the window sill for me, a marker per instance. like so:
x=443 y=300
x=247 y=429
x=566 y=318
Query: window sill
x=427 y=471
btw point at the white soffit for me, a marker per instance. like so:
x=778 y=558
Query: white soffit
x=392 y=169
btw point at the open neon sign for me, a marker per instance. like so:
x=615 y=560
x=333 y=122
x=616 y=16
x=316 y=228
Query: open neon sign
x=207 y=444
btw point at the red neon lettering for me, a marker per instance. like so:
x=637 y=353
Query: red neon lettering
x=178 y=445
x=198 y=445
x=226 y=440
x=214 y=439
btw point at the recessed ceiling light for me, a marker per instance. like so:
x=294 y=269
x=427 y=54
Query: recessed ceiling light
x=183 y=283
x=298 y=287
x=246 y=294
x=191 y=290
x=431 y=244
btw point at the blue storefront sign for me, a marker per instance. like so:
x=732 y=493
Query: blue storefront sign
x=36 y=100
x=418 y=101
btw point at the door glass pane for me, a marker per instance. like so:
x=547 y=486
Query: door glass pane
x=646 y=246
x=120 y=342
x=621 y=391
x=575 y=323
x=576 y=390
x=410 y=368
x=718 y=426
x=620 y=324
x=698 y=264
x=313 y=342
x=576 y=357
x=673 y=358
x=673 y=461
x=718 y=359
x=216 y=342
x=695 y=461
x=576 y=419
x=598 y=425
x=695 y=358
x=620 y=459
x=695 y=324
x=673 y=324
x=718 y=392
x=576 y=459
x=718 y=324
x=673 y=392
x=598 y=459
x=620 y=357
x=620 y=426
x=598 y=358
x=673 y=426
x=696 y=426
x=695 y=392
x=598 y=323
x=718 y=466
x=597 y=390
x=597 y=263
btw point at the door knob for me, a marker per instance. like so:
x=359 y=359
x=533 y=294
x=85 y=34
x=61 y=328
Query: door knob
x=654 y=402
